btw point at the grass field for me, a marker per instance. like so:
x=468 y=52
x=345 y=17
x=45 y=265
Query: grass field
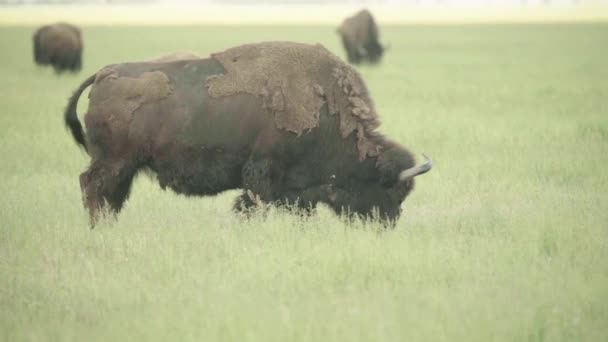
x=506 y=239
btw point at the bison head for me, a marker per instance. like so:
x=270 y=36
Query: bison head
x=378 y=189
x=59 y=45
x=374 y=51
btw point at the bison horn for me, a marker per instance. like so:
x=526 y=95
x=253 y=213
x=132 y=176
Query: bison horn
x=416 y=170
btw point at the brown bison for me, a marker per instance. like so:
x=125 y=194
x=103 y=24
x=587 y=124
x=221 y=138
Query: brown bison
x=360 y=38
x=288 y=123
x=59 y=45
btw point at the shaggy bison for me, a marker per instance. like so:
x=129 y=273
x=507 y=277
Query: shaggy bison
x=288 y=123
x=360 y=38
x=59 y=45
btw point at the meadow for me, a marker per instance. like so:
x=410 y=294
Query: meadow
x=506 y=239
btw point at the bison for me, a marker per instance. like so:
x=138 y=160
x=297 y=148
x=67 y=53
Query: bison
x=289 y=123
x=59 y=45
x=359 y=35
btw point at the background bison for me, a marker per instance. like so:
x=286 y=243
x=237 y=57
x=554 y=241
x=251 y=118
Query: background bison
x=286 y=122
x=359 y=35
x=59 y=45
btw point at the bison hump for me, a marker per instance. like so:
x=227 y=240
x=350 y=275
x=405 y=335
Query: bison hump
x=294 y=80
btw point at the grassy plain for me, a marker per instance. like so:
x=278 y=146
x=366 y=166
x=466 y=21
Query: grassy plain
x=505 y=240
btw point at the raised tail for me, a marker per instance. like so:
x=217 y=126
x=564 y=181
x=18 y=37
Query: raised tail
x=71 y=117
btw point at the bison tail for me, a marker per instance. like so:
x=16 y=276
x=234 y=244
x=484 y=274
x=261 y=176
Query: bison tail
x=71 y=117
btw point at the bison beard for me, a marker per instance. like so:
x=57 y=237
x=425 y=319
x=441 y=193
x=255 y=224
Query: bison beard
x=188 y=122
x=58 y=45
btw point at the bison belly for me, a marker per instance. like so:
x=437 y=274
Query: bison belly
x=207 y=155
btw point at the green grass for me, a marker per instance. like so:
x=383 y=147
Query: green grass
x=505 y=240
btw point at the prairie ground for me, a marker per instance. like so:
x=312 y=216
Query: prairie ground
x=506 y=239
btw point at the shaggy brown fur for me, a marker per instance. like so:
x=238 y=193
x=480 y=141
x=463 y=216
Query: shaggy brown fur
x=160 y=116
x=295 y=80
x=359 y=35
x=58 y=45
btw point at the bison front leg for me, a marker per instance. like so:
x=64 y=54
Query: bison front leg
x=260 y=178
x=76 y=62
x=305 y=200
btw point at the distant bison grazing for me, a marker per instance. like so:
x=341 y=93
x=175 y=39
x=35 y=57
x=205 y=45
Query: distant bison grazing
x=360 y=38
x=288 y=123
x=59 y=45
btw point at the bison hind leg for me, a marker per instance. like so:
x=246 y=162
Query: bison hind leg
x=243 y=204
x=105 y=187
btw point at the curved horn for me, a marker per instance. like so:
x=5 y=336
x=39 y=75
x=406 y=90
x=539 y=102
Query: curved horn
x=416 y=170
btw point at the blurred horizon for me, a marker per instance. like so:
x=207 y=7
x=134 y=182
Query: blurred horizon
x=297 y=12
x=401 y=3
